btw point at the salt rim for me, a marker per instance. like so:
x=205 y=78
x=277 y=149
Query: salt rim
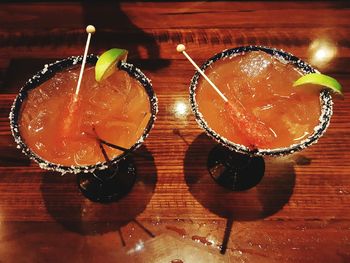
x=325 y=100
x=47 y=72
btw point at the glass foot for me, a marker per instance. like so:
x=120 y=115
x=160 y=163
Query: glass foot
x=108 y=185
x=235 y=171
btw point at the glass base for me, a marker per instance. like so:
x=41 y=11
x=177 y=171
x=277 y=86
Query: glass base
x=108 y=185
x=235 y=171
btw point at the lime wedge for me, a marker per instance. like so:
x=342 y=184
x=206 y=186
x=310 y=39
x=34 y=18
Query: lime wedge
x=106 y=63
x=319 y=79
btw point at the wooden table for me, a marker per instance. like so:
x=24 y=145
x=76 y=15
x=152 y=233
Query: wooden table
x=299 y=212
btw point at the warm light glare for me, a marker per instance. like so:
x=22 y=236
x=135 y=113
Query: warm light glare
x=322 y=52
x=138 y=247
x=180 y=109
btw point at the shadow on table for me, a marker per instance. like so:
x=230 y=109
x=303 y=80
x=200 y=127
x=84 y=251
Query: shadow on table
x=265 y=199
x=116 y=29
x=74 y=212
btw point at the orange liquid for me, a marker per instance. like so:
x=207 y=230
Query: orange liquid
x=116 y=110
x=266 y=110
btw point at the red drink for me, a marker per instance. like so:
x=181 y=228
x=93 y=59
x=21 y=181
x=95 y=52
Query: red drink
x=265 y=113
x=68 y=137
x=116 y=110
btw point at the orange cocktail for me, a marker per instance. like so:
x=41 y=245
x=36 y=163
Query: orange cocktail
x=265 y=113
x=119 y=110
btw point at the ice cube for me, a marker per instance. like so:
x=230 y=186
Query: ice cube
x=298 y=131
x=38 y=122
x=255 y=64
x=136 y=100
x=38 y=96
x=85 y=154
x=39 y=145
x=109 y=95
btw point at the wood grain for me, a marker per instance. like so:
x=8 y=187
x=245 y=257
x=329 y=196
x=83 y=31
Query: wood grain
x=299 y=212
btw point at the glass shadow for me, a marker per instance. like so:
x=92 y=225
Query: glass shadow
x=254 y=188
x=265 y=186
x=117 y=29
x=234 y=171
x=75 y=213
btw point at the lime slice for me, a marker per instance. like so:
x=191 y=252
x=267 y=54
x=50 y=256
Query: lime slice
x=106 y=64
x=319 y=79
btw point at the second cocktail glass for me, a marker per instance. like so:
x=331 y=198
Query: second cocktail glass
x=265 y=116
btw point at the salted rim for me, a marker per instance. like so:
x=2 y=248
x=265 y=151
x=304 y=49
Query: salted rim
x=325 y=100
x=46 y=73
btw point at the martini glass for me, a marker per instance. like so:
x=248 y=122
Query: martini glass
x=237 y=166
x=103 y=181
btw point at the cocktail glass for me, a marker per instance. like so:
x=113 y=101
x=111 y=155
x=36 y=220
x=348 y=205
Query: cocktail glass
x=104 y=181
x=237 y=166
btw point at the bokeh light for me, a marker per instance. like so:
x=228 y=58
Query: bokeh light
x=322 y=51
x=181 y=109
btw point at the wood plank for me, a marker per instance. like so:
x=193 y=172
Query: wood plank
x=298 y=212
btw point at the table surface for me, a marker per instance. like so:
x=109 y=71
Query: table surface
x=299 y=212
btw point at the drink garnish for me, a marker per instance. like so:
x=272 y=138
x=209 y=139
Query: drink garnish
x=319 y=79
x=181 y=49
x=90 y=29
x=72 y=107
x=255 y=132
x=106 y=64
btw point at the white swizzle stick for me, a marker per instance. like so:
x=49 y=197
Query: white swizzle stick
x=90 y=29
x=181 y=49
x=73 y=104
